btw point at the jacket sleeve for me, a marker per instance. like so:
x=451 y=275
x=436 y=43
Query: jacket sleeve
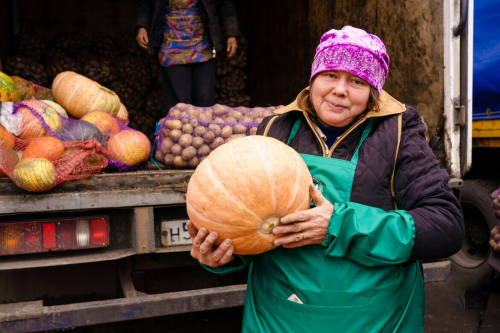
x=369 y=235
x=228 y=16
x=239 y=263
x=144 y=14
x=421 y=188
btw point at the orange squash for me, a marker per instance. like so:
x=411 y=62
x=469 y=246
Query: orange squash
x=79 y=95
x=243 y=188
x=32 y=127
x=105 y=122
x=7 y=139
x=44 y=147
x=129 y=147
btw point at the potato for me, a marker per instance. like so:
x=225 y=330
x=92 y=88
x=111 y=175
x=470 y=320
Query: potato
x=247 y=119
x=169 y=159
x=194 y=122
x=267 y=113
x=217 y=142
x=176 y=149
x=193 y=163
x=199 y=131
x=209 y=137
x=218 y=120
x=257 y=112
x=198 y=142
x=204 y=150
x=218 y=109
x=188 y=153
x=187 y=129
x=253 y=130
x=181 y=106
x=174 y=113
x=184 y=121
x=192 y=113
x=214 y=128
x=234 y=137
x=235 y=114
x=239 y=129
x=184 y=114
x=185 y=140
x=175 y=134
x=165 y=132
x=166 y=146
x=174 y=124
x=230 y=120
x=258 y=120
x=158 y=155
x=227 y=131
x=206 y=117
x=179 y=162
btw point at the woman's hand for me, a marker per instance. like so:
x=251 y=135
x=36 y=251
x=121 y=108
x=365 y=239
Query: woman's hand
x=204 y=249
x=142 y=38
x=307 y=226
x=232 y=45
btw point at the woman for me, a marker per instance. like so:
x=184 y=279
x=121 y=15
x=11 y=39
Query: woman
x=186 y=34
x=350 y=263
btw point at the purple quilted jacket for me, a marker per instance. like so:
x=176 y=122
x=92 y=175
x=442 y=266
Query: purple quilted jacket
x=420 y=186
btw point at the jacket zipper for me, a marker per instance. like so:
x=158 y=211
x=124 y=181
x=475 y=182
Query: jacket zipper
x=340 y=138
x=324 y=148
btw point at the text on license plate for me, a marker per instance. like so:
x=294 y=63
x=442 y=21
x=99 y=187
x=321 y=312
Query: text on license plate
x=174 y=233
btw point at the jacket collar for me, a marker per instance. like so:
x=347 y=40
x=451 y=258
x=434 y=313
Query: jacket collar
x=388 y=105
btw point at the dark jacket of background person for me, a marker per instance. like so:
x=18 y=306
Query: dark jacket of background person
x=420 y=186
x=151 y=15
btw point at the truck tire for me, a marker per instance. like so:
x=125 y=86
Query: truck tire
x=475 y=199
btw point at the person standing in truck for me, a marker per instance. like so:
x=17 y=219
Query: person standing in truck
x=351 y=263
x=186 y=34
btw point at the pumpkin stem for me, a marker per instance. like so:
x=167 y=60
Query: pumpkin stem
x=269 y=223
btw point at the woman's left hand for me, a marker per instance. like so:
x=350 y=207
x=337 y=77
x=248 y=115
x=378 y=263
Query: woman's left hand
x=307 y=226
x=232 y=45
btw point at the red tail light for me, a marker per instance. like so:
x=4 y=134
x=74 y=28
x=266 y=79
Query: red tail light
x=53 y=235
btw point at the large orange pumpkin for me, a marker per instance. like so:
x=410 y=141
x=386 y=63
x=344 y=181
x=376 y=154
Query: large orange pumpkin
x=32 y=127
x=105 y=122
x=7 y=139
x=129 y=147
x=44 y=147
x=243 y=189
x=79 y=95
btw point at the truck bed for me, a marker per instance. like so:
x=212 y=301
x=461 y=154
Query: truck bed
x=132 y=189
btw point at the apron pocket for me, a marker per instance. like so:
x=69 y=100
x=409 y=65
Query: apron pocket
x=281 y=315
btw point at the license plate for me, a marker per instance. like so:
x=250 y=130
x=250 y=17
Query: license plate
x=174 y=233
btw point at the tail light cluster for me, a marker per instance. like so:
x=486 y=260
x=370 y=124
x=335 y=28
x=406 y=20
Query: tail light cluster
x=53 y=235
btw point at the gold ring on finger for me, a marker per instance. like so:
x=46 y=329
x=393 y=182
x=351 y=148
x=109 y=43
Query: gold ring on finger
x=302 y=236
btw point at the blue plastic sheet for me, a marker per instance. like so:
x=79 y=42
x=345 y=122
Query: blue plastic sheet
x=486 y=62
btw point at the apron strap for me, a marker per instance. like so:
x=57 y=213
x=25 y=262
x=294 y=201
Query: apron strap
x=366 y=131
x=295 y=129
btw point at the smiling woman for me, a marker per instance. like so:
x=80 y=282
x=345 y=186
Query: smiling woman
x=381 y=203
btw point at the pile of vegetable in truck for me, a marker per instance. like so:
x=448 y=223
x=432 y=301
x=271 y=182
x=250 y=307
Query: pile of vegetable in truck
x=134 y=223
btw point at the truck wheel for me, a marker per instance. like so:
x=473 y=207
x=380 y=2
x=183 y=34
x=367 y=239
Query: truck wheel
x=475 y=199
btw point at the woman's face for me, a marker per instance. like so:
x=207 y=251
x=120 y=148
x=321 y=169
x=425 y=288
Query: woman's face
x=339 y=97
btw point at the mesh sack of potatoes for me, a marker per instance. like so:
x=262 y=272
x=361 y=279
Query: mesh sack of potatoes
x=189 y=134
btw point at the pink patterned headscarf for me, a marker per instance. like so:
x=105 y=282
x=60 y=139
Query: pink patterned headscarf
x=355 y=51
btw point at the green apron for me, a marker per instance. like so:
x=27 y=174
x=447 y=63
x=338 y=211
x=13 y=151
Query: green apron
x=338 y=294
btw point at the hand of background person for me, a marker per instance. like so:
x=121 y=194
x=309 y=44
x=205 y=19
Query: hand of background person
x=232 y=45
x=204 y=249
x=142 y=38
x=307 y=226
